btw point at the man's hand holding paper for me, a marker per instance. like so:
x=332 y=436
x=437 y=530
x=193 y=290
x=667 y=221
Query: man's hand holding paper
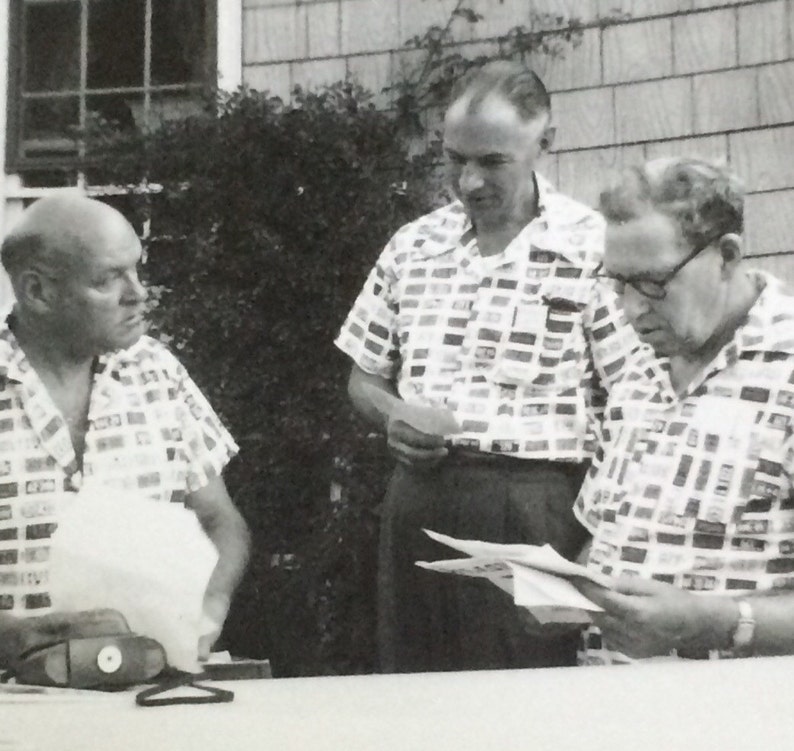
x=416 y=433
x=647 y=618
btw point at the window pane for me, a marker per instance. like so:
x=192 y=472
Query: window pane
x=52 y=46
x=178 y=41
x=50 y=126
x=50 y=178
x=115 y=43
x=116 y=112
x=173 y=105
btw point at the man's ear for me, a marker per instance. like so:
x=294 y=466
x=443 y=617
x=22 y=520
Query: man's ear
x=547 y=138
x=34 y=291
x=731 y=248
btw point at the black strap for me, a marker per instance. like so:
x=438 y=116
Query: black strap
x=213 y=695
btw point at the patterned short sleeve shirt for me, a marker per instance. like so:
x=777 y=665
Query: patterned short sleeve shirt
x=519 y=345
x=150 y=431
x=696 y=490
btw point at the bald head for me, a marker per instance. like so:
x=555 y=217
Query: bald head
x=73 y=262
x=58 y=231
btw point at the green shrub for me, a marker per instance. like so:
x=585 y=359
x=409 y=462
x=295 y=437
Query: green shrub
x=265 y=219
x=264 y=223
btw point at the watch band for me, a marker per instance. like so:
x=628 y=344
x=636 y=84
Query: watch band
x=745 y=628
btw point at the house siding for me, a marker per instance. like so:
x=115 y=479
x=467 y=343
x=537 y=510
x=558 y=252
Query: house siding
x=704 y=78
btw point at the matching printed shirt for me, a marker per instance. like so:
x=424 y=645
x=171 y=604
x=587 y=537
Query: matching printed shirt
x=697 y=490
x=150 y=431
x=520 y=345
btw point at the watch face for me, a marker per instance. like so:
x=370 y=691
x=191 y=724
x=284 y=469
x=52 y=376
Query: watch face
x=744 y=634
x=746 y=626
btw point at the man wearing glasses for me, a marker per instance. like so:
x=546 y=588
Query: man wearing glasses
x=690 y=500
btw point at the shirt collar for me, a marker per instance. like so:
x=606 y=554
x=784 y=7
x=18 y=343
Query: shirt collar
x=769 y=326
x=440 y=231
x=563 y=223
x=14 y=364
x=768 y=329
x=113 y=364
x=558 y=218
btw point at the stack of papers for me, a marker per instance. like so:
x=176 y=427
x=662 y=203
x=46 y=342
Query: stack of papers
x=536 y=576
x=148 y=560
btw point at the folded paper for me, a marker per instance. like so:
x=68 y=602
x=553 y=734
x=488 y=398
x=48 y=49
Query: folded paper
x=536 y=576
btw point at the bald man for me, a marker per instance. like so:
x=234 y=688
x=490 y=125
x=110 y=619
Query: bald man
x=84 y=393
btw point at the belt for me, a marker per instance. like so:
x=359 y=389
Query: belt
x=467 y=457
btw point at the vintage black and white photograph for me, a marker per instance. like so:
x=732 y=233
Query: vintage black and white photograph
x=396 y=374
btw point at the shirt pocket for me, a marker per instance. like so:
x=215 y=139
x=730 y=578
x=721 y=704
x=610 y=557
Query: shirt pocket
x=768 y=502
x=730 y=464
x=542 y=350
x=136 y=459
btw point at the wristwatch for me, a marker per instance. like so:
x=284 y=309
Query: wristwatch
x=745 y=629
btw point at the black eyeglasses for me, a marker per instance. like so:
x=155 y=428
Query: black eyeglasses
x=655 y=289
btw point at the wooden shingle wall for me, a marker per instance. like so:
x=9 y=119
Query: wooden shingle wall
x=709 y=78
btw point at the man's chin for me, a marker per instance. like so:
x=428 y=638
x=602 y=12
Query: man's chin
x=486 y=218
x=129 y=337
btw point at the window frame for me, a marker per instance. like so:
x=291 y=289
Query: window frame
x=15 y=161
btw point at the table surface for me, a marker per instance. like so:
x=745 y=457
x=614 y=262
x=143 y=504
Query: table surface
x=723 y=705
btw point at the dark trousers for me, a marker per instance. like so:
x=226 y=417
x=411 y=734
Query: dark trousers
x=430 y=621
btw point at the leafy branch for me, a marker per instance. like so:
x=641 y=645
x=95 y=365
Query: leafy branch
x=427 y=84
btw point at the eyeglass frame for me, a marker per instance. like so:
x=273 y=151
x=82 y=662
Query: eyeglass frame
x=659 y=285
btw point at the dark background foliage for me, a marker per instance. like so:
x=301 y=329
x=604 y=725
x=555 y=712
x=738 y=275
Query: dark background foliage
x=262 y=220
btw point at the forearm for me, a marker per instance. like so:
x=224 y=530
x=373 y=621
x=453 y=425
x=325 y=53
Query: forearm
x=225 y=527
x=231 y=538
x=9 y=626
x=7 y=621
x=358 y=384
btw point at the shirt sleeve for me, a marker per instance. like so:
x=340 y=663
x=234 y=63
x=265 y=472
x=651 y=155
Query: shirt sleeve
x=614 y=345
x=369 y=335
x=207 y=444
x=585 y=507
x=611 y=337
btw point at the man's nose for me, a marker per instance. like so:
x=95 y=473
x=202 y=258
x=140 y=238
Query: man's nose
x=470 y=179
x=135 y=291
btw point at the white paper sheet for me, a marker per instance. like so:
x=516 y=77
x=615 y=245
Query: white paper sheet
x=496 y=571
x=541 y=557
x=549 y=597
x=149 y=560
x=536 y=576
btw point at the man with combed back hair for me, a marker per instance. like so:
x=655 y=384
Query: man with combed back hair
x=486 y=307
x=84 y=393
x=690 y=498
